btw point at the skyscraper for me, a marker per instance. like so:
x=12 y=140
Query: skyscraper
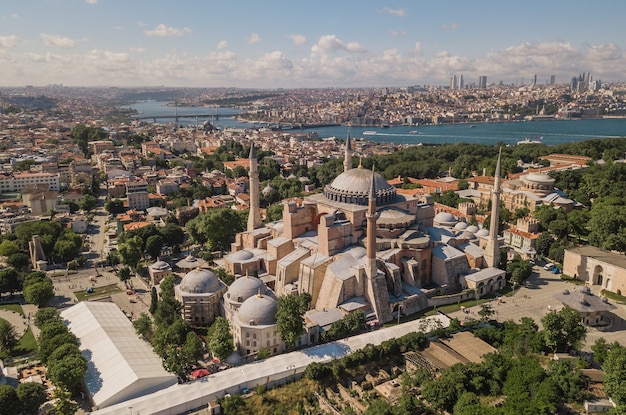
x=552 y=79
x=482 y=82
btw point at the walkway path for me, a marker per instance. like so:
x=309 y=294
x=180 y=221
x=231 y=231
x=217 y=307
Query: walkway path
x=17 y=320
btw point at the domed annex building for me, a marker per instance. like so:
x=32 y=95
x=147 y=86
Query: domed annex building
x=254 y=326
x=200 y=292
x=532 y=190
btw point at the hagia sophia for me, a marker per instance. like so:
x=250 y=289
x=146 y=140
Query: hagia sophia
x=358 y=245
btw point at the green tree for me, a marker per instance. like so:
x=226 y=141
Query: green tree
x=8 y=336
x=173 y=234
x=220 y=339
x=18 y=261
x=31 y=395
x=216 y=228
x=143 y=326
x=543 y=243
x=114 y=206
x=9 y=281
x=67 y=249
x=563 y=330
x=274 y=212
x=8 y=248
x=73 y=206
x=600 y=349
x=43 y=315
x=615 y=376
x=233 y=405
x=64 y=404
x=290 y=317
x=39 y=293
x=124 y=274
x=154 y=300
x=131 y=251
x=88 y=202
x=9 y=402
x=154 y=244
x=485 y=312
x=70 y=371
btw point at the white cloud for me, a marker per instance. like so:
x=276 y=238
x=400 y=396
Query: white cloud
x=167 y=31
x=330 y=62
x=7 y=42
x=91 y=1
x=223 y=44
x=57 y=41
x=395 y=12
x=253 y=38
x=397 y=32
x=450 y=26
x=331 y=43
x=297 y=40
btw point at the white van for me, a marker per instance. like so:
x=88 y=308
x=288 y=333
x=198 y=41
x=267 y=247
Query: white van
x=548 y=266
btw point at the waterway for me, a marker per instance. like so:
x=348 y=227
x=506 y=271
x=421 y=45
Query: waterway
x=549 y=132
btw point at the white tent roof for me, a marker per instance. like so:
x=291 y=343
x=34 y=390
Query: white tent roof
x=183 y=398
x=120 y=366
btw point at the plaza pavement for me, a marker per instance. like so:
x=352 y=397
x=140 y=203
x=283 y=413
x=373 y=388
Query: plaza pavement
x=536 y=298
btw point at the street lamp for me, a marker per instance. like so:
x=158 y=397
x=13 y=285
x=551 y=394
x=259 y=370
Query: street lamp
x=130 y=408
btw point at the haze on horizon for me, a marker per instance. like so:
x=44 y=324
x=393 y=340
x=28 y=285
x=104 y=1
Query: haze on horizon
x=280 y=43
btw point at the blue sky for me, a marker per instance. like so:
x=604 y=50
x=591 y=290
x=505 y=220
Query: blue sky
x=281 y=43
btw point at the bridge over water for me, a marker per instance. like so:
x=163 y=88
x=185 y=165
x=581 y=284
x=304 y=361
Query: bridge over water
x=175 y=116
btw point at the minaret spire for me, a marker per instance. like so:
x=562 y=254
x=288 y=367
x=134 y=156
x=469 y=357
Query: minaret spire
x=492 y=250
x=347 y=160
x=254 y=217
x=376 y=287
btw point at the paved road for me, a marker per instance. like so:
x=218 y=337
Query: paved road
x=537 y=298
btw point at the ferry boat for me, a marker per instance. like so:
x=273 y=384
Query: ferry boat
x=529 y=141
x=369 y=133
x=414 y=132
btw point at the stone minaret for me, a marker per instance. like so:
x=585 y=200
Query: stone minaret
x=254 y=217
x=347 y=160
x=492 y=250
x=376 y=287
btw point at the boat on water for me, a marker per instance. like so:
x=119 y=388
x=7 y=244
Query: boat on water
x=472 y=126
x=529 y=141
x=369 y=133
x=414 y=132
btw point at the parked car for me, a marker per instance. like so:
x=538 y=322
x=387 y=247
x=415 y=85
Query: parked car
x=548 y=266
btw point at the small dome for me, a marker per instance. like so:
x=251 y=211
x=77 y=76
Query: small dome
x=200 y=281
x=483 y=232
x=472 y=228
x=242 y=255
x=160 y=265
x=466 y=235
x=258 y=310
x=461 y=226
x=444 y=219
x=244 y=288
x=539 y=178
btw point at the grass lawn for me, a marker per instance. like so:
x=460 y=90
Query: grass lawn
x=13 y=307
x=26 y=345
x=98 y=292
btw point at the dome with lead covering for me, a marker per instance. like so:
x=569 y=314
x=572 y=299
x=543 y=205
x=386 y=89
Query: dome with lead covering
x=200 y=281
x=245 y=287
x=258 y=310
x=243 y=255
x=353 y=186
x=444 y=219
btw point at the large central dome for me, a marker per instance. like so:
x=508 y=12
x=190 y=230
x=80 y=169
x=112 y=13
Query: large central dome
x=353 y=186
